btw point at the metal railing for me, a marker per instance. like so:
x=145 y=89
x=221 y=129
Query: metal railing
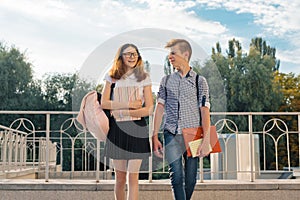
x=16 y=154
x=13 y=149
x=254 y=142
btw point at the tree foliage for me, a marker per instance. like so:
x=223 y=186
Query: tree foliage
x=16 y=81
x=290 y=87
x=249 y=78
x=64 y=91
x=253 y=84
x=168 y=68
x=215 y=82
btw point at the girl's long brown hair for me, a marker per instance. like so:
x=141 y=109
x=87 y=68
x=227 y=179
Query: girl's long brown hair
x=118 y=69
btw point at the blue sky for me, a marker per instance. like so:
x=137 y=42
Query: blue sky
x=59 y=35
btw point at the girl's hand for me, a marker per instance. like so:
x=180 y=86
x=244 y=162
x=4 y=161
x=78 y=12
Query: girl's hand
x=135 y=104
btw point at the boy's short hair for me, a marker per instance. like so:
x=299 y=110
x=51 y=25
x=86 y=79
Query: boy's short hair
x=184 y=45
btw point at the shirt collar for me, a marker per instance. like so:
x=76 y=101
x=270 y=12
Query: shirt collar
x=191 y=73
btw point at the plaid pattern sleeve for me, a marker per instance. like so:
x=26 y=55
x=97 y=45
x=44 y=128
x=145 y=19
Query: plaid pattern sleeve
x=161 y=95
x=203 y=92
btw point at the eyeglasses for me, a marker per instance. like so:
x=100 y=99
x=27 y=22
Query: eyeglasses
x=129 y=54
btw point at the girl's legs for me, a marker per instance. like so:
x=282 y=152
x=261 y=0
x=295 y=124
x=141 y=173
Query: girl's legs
x=120 y=174
x=121 y=168
x=133 y=180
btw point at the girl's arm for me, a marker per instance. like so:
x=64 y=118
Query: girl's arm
x=140 y=112
x=106 y=103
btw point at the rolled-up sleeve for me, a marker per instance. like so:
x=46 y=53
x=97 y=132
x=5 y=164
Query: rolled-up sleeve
x=203 y=93
x=161 y=95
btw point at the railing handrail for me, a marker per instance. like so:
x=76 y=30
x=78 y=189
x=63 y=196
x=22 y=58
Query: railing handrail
x=255 y=113
x=212 y=113
x=36 y=112
x=13 y=130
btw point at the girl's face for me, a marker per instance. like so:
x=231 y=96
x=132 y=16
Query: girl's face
x=130 y=57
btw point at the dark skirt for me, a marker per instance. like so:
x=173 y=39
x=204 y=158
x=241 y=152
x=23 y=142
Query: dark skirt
x=127 y=140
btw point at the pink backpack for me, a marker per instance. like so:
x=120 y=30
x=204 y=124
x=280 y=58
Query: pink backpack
x=92 y=117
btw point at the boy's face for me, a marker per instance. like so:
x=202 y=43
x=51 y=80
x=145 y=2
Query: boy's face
x=176 y=58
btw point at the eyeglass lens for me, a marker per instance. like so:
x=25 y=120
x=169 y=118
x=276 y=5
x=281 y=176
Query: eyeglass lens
x=129 y=54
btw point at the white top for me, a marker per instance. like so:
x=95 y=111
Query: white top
x=131 y=81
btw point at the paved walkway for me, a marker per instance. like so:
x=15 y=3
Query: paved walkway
x=31 y=189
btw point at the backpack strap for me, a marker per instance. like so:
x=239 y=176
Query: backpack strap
x=197 y=87
x=166 y=93
x=112 y=86
x=99 y=95
x=106 y=111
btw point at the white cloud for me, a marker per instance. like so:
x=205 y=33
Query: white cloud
x=59 y=35
x=289 y=56
x=277 y=18
x=40 y=10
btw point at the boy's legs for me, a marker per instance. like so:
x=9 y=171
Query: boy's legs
x=174 y=151
x=191 y=166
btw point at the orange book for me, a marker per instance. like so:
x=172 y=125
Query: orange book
x=192 y=134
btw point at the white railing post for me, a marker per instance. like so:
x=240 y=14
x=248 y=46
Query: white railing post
x=98 y=161
x=5 y=136
x=47 y=146
x=17 y=150
x=151 y=149
x=9 y=149
x=251 y=147
x=86 y=166
x=72 y=158
x=201 y=170
x=21 y=152
x=299 y=138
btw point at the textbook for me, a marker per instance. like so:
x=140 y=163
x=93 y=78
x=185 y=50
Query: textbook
x=126 y=94
x=194 y=146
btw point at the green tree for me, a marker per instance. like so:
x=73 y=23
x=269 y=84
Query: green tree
x=168 y=68
x=58 y=91
x=250 y=83
x=248 y=79
x=64 y=91
x=16 y=81
x=147 y=66
x=290 y=87
x=216 y=85
x=19 y=91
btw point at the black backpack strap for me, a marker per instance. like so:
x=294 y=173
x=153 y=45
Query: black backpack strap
x=166 y=93
x=99 y=95
x=106 y=111
x=112 y=86
x=197 y=87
